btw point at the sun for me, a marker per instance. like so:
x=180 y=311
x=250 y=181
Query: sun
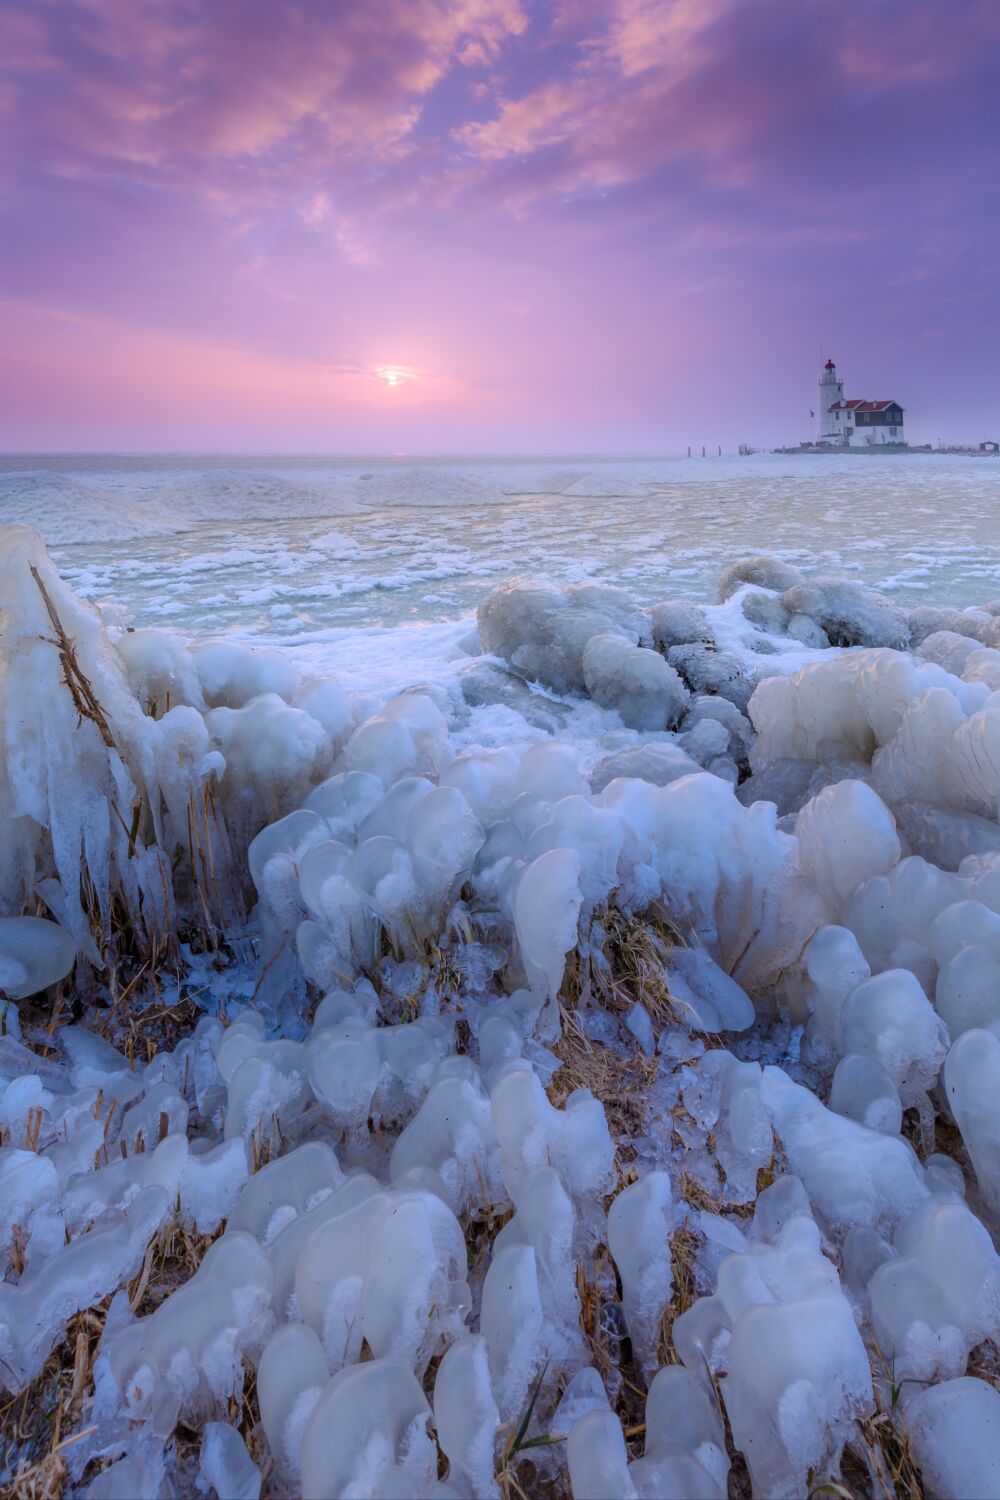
x=394 y=375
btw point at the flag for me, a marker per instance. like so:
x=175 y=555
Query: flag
x=812 y=413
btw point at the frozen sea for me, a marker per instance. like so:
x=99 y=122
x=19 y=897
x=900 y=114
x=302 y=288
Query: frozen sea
x=371 y=567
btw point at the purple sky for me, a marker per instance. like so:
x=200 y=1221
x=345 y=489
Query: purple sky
x=602 y=225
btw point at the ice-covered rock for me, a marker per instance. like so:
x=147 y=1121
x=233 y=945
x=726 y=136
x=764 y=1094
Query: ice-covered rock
x=636 y=682
x=849 y=613
x=929 y=621
x=708 y=670
x=677 y=622
x=542 y=631
x=656 y=761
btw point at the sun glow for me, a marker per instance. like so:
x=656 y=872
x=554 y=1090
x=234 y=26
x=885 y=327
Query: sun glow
x=393 y=375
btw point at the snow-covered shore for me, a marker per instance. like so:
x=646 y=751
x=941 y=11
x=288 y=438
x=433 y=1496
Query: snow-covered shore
x=598 y=1043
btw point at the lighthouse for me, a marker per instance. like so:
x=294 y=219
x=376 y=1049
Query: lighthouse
x=831 y=391
x=857 y=423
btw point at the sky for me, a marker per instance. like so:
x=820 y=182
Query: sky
x=493 y=225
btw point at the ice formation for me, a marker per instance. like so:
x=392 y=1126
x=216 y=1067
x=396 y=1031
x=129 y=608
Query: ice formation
x=529 y=1078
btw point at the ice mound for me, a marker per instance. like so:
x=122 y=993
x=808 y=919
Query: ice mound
x=186 y=1357
x=955 y=1431
x=367 y=1435
x=971 y=625
x=971 y=1075
x=68 y=509
x=226 y=1466
x=123 y=788
x=542 y=631
x=34 y=953
x=763 y=571
x=684 y=1446
x=466 y=1416
x=538 y=1070
x=640 y=1223
x=723 y=1095
x=34 y=1311
x=792 y=1408
x=939 y=1295
x=853 y=1175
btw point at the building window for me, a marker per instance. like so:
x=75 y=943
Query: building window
x=892 y=432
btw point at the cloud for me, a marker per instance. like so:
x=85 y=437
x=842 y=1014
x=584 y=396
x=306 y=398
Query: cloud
x=177 y=87
x=742 y=90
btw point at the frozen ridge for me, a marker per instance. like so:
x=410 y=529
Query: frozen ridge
x=590 y=1079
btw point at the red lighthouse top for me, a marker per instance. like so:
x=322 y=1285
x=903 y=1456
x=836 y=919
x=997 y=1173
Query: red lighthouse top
x=829 y=365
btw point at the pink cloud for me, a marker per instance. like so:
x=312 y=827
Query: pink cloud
x=177 y=86
x=928 y=44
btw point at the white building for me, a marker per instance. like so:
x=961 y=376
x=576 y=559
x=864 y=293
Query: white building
x=856 y=423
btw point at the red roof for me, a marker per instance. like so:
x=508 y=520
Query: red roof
x=863 y=405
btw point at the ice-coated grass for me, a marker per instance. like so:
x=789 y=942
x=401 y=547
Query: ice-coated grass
x=435 y=1112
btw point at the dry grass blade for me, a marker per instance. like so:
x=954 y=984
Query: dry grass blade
x=84 y=698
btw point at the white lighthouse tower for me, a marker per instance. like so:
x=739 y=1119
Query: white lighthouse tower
x=831 y=392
